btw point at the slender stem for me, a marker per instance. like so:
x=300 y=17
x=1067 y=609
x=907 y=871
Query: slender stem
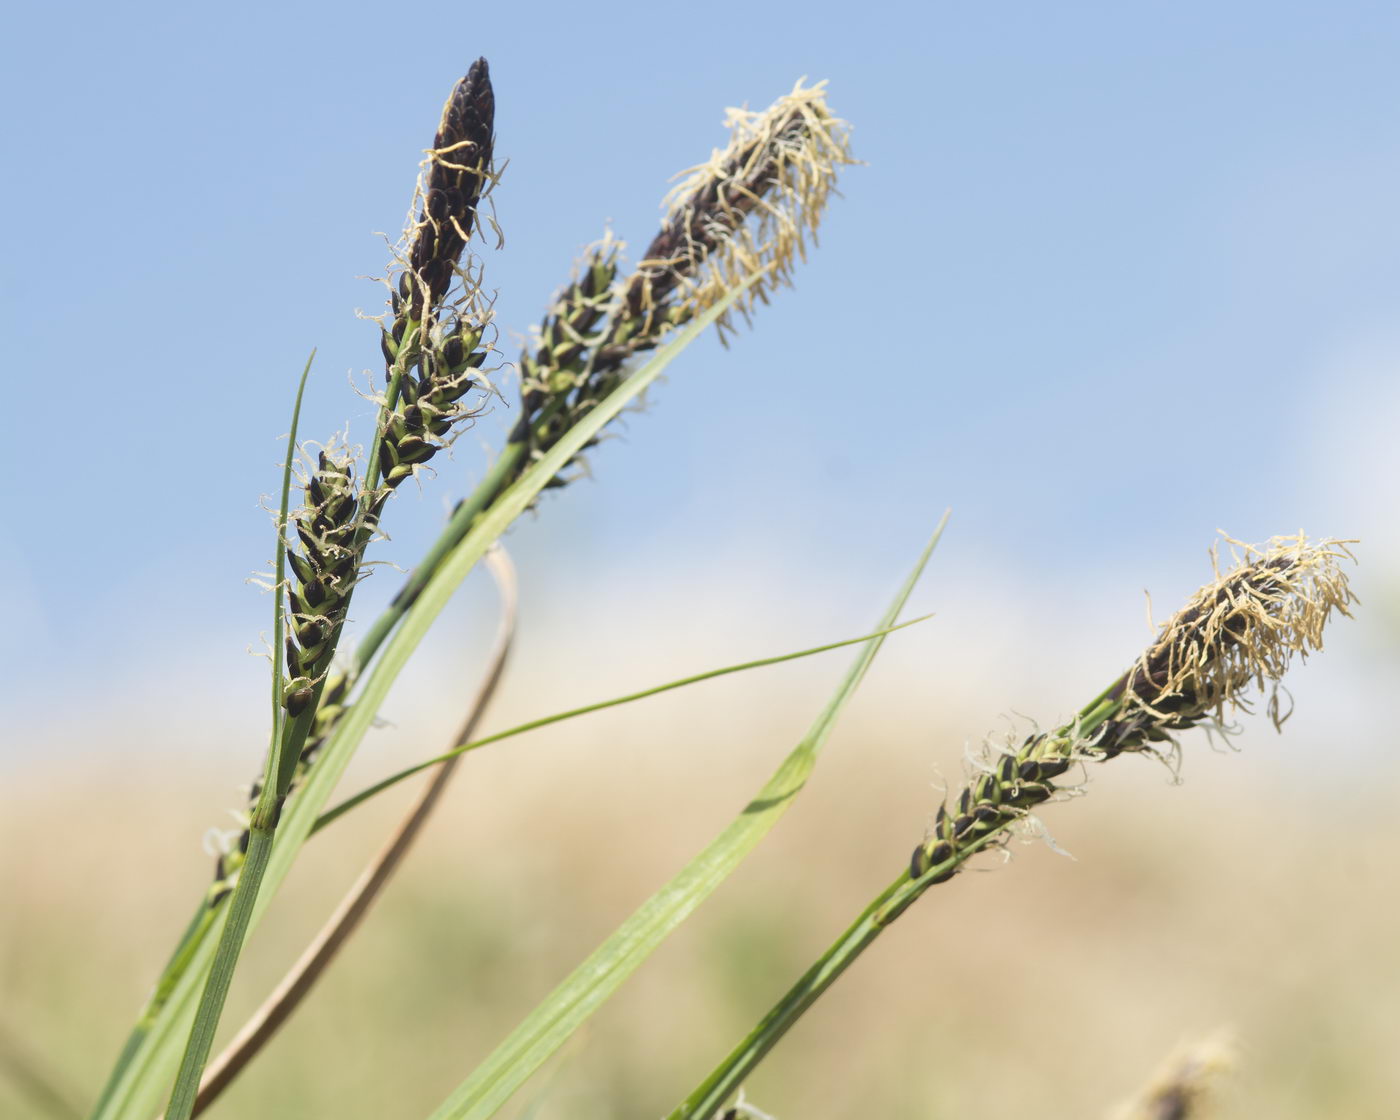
x=887 y=906
x=507 y=467
x=726 y=1077
x=201 y=1037
x=287 y=738
x=544 y=721
x=729 y=1074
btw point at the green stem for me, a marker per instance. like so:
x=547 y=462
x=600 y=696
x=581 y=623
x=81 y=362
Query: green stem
x=276 y=781
x=709 y=1097
x=888 y=905
x=201 y=1037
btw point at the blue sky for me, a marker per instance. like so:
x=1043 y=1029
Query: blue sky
x=1112 y=276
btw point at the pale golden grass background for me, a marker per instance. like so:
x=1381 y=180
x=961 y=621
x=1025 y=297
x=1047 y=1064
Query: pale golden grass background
x=1257 y=895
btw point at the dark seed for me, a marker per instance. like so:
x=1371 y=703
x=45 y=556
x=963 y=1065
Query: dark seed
x=297 y=702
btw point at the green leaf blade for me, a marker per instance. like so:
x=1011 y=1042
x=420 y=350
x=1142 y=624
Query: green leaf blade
x=598 y=977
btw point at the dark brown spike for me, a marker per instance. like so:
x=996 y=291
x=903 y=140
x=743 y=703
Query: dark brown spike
x=458 y=170
x=691 y=234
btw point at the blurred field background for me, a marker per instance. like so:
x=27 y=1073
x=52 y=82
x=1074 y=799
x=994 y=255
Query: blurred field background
x=1246 y=896
x=1113 y=278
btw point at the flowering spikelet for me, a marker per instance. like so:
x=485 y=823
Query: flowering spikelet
x=325 y=569
x=1243 y=628
x=432 y=343
x=746 y=211
x=565 y=350
x=429 y=403
x=743 y=215
x=458 y=168
x=1240 y=629
x=323 y=560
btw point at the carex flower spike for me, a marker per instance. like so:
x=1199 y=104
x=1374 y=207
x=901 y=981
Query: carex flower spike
x=745 y=213
x=433 y=348
x=1242 y=629
x=433 y=353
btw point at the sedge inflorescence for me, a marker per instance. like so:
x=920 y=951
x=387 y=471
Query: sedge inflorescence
x=743 y=216
x=433 y=347
x=1239 y=631
x=433 y=353
x=747 y=211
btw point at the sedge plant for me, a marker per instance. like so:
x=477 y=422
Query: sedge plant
x=734 y=229
x=732 y=233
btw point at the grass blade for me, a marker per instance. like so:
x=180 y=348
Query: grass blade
x=235 y=929
x=590 y=985
x=203 y=920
